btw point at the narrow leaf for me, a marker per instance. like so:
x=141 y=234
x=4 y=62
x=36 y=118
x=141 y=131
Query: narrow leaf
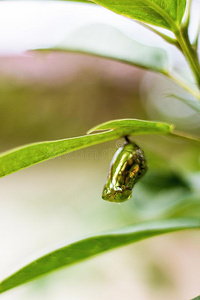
x=94 y=245
x=26 y=156
x=108 y=42
x=134 y=126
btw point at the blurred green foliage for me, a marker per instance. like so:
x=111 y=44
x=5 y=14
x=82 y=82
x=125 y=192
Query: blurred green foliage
x=34 y=112
x=39 y=111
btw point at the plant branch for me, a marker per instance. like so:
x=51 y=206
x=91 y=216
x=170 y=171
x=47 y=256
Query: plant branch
x=189 y=53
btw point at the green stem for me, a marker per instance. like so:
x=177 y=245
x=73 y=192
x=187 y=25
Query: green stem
x=189 y=53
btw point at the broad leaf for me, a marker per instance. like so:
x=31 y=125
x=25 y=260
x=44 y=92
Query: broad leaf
x=163 y=13
x=108 y=42
x=94 y=245
x=32 y=154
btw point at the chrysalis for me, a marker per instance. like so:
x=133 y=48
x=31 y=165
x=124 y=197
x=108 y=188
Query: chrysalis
x=127 y=167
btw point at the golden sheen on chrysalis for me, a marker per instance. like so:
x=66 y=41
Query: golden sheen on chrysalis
x=127 y=167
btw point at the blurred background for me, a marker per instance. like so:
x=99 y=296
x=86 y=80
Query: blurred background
x=47 y=96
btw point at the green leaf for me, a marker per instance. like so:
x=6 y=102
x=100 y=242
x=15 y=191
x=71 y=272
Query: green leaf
x=134 y=126
x=108 y=42
x=88 y=247
x=163 y=13
x=26 y=156
x=196 y=298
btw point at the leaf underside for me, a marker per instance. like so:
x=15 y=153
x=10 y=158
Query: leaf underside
x=108 y=42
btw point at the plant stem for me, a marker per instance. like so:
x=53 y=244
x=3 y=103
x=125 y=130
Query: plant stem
x=189 y=53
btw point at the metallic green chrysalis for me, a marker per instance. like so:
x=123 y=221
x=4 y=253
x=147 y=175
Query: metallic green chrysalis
x=127 y=167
